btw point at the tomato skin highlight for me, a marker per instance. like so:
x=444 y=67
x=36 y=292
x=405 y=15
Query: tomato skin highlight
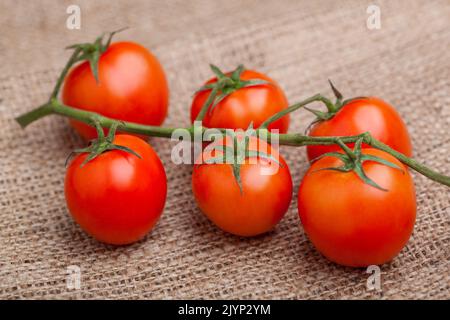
x=117 y=198
x=261 y=205
x=363 y=115
x=352 y=223
x=132 y=87
x=244 y=106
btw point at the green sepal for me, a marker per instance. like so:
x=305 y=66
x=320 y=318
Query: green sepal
x=321 y=116
x=236 y=75
x=215 y=160
x=227 y=152
x=237 y=175
x=238 y=153
x=253 y=83
x=101 y=144
x=339 y=155
x=111 y=35
x=93 y=63
x=336 y=92
x=241 y=152
x=206 y=87
x=332 y=108
x=353 y=161
x=358 y=169
x=217 y=100
x=91 y=52
x=340 y=169
x=224 y=86
x=219 y=74
x=368 y=157
x=212 y=96
x=123 y=148
x=263 y=155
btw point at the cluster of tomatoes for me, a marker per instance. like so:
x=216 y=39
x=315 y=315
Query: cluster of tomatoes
x=118 y=197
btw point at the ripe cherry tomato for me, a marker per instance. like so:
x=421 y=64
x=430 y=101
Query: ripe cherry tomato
x=359 y=116
x=265 y=195
x=245 y=105
x=351 y=222
x=117 y=197
x=132 y=87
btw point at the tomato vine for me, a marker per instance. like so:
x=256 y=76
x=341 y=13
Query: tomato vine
x=224 y=86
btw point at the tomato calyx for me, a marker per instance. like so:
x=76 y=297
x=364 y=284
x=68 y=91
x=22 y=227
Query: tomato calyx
x=92 y=51
x=223 y=87
x=238 y=153
x=332 y=108
x=353 y=161
x=102 y=144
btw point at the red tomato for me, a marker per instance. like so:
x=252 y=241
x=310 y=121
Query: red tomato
x=264 y=200
x=117 y=197
x=353 y=223
x=359 y=116
x=132 y=87
x=244 y=106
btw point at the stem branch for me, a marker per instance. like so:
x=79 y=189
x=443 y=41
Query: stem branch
x=35 y=114
x=302 y=140
x=105 y=122
x=291 y=139
x=292 y=108
x=53 y=106
x=73 y=59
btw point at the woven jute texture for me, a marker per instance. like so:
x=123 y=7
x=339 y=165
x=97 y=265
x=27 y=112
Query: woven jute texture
x=301 y=45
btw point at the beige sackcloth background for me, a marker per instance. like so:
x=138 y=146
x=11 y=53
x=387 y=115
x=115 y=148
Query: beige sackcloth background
x=300 y=44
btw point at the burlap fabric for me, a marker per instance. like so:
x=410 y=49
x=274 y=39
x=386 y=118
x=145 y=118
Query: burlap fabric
x=300 y=44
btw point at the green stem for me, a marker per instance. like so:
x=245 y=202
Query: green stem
x=302 y=140
x=201 y=115
x=347 y=150
x=35 y=114
x=56 y=107
x=332 y=108
x=223 y=87
x=413 y=164
x=73 y=59
x=294 y=107
x=105 y=122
